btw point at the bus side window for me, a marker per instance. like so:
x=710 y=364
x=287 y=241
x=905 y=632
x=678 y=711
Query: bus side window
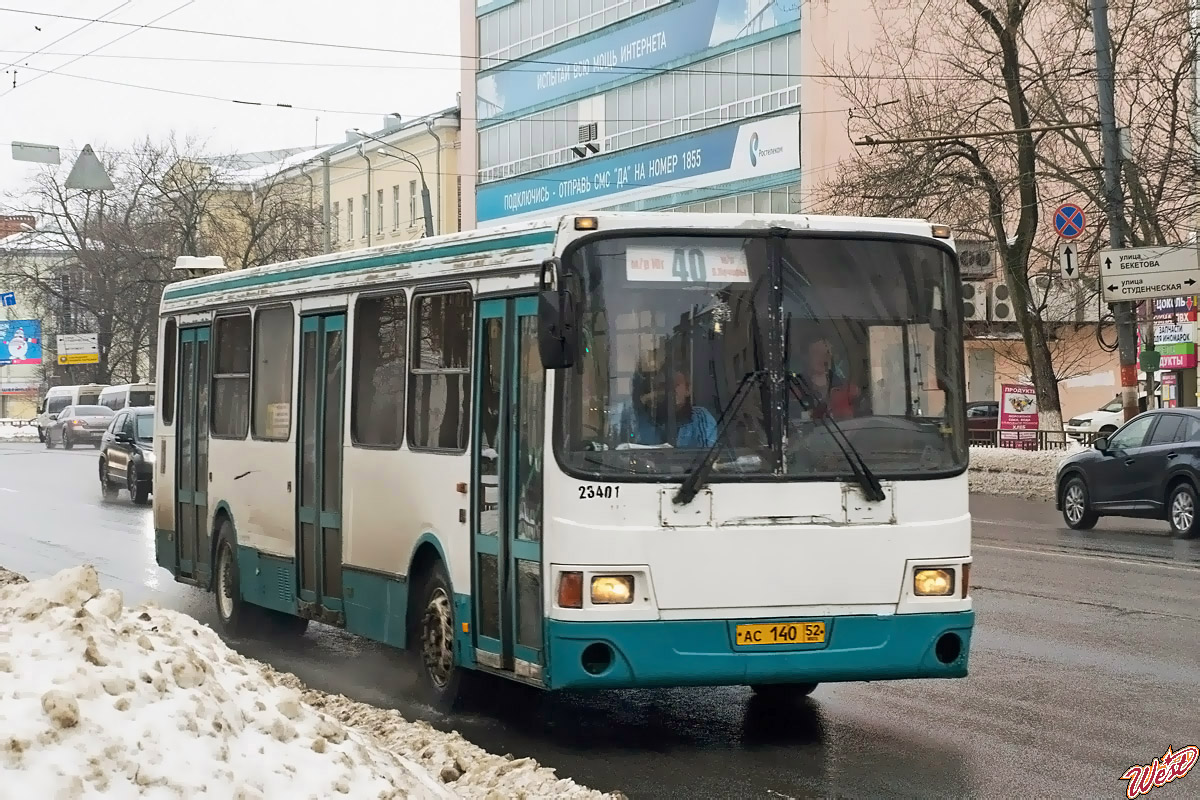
x=380 y=370
x=167 y=377
x=440 y=371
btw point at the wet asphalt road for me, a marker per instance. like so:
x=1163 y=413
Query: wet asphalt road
x=1085 y=661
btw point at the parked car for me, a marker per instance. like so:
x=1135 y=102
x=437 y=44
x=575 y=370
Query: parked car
x=983 y=418
x=1149 y=468
x=1103 y=421
x=78 y=425
x=127 y=455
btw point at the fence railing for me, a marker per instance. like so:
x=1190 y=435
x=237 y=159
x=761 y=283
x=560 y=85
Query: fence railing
x=1044 y=440
x=15 y=423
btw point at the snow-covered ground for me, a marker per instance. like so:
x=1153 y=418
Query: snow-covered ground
x=99 y=700
x=1022 y=473
x=17 y=430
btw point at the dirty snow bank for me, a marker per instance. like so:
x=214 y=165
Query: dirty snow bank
x=471 y=770
x=1022 y=473
x=17 y=430
x=100 y=700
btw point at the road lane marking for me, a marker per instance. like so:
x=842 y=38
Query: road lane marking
x=1105 y=559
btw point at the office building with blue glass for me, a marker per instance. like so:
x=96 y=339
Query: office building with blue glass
x=630 y=105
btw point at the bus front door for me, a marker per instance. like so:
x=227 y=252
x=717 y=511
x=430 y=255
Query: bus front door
x=507 y=489
x=319 y=467
x=194 y=544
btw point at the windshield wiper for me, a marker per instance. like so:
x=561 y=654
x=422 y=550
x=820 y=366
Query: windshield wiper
x=699 y=473
x=872 y=488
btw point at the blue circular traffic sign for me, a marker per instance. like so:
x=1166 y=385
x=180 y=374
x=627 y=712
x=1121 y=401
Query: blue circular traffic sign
x=1069 y=221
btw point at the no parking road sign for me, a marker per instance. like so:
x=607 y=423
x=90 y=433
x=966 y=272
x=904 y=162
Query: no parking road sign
x=1069 y=221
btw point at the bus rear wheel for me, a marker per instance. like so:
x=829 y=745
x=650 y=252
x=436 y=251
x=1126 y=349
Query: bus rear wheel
x=235 y=616
x=431 y=640
x=784 y=691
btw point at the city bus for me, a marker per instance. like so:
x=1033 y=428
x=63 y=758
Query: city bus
x=602 y=451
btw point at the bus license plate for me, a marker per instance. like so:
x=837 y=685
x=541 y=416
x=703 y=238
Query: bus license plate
x=781 y=633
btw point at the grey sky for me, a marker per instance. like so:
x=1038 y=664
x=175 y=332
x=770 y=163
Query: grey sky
x=70 y=111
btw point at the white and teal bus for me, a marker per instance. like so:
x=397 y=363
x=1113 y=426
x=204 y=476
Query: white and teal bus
x=602 y=451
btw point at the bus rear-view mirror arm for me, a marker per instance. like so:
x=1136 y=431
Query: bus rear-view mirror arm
x=558 y=333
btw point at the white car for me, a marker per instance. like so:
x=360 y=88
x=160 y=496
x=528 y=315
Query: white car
x=1102 y=421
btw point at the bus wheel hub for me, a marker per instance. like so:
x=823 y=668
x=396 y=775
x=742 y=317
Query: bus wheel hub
x=437 y=638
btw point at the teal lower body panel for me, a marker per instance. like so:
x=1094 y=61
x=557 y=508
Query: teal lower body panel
x=267 y=581
x=703 y=653
x=164 y=549
x=376 y=605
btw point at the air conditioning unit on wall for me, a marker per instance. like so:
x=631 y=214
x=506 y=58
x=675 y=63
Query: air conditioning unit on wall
x=1002 y=305
x=976 y=260
x=974 y=297
x=1058 y=298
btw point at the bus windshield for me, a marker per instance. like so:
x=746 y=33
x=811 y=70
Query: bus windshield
x=804 y=343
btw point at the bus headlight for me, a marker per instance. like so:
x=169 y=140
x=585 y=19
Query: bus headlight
x=933 y=582
x=612 y=589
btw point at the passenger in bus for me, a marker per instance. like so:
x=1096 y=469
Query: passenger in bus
x=643 y=422
x=831 y=394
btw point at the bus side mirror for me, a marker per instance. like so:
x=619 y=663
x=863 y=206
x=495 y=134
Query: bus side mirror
x=558 y=334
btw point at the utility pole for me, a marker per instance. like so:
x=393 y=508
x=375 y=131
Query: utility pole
x=1125 y=314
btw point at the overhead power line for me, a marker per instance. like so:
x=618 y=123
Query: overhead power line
x=535 y=63
x=126 y=35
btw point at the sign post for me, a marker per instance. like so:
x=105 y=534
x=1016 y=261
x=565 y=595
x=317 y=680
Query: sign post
x=1148 y=273
x=78 y=348
x=1069 y=221
x=1068 y=260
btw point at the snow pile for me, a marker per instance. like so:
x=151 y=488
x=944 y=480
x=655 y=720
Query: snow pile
x=97 y=700
x=17 y=430
x=1023 y=473
x=472 y=771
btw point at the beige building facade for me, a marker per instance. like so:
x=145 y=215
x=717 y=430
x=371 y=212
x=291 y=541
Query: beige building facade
x=368 y=190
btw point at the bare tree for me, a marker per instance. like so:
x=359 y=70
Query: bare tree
x=993 y=104
x=116 y=249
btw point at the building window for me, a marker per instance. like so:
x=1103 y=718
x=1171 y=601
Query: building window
x=458 y=201
x=231 y=377
x=380 y=370
x=366 y=209
x=412 y=203
x=532 y=25
x=379 y=211
x=754 y=81
x=396 y=207
x=440 y=375
x=349 y=218
x=169 y=379
x=273 y=373
x=335 y=221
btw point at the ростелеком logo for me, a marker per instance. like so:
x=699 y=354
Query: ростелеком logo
x=754 y=149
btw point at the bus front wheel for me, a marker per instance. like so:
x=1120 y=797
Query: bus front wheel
x=431 y=640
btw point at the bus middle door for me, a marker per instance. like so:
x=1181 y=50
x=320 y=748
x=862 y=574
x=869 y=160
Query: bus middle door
x=319 y=467
x=507 y=489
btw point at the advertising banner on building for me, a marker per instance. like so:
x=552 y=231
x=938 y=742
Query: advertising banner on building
x=20 y=342
x=1018 y=416
x=721 y=155
x=685 y=29
x=1169 y=308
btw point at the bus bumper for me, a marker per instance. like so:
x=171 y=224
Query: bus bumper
x=614 y=655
